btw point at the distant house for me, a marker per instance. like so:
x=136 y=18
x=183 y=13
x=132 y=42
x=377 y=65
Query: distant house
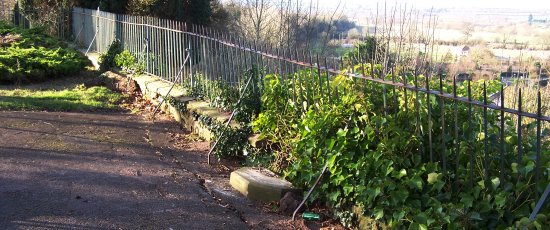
x=347 y=45
x=465 y=50
x=461 y=77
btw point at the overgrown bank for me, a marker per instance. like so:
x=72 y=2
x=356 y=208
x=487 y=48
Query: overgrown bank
x=403 y=158
x=375 y=138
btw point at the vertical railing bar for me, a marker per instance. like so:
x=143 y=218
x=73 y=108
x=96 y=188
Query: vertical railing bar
x=149 y=63
x=456 y=138
x=395 y=100
x=501 y=160
x=179 y=50
x=191 y=41
x=214 y=58
x=168 y=49
x=328 y=80
x=320 y=77
x=312 y=79
x=209 y=55
x=205 y=60
x=234 y=53
x=247 y=56
x=288 y=72
x=210 y=59
x=160 y=49
x=417 y=112
x=202 y=83
x=468 y=136
x=405 y=82
x=226 y=56
x=429 y=104
x=229 y=56
x=222 y=58
x=202 y=63
x=363 y=74
x=176 y=51
x=538 y=144
x=442 y=107
x=237 y=54
x=519 y=129
x=154 y=47
x=187 y=51
x=298 y=74
x=196 y=60
x=170 y=35
x=280 y=67
x=268 y=60
x=261 y=70
x=485 y=142
x=243 y=58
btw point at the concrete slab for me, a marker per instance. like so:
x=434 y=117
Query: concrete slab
x=259 y=186
x=203 y=108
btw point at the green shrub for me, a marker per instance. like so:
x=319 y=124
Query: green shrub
x=128 y=63
x=379 y=160
x=107 y=60
x=35 y=56
x=234 y=142
x=125 y=60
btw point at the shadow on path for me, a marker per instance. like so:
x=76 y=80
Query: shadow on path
x=97 y=171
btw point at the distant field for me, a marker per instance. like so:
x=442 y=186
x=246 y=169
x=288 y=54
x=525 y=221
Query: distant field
x=458 y=35
x=505 y=53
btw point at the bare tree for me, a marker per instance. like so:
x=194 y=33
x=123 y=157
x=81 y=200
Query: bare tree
x=467 y=30
x=280 y=23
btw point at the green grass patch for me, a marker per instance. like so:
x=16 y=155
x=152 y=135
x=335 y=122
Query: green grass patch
x=79 y=99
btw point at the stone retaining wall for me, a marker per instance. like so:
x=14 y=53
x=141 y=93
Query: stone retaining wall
x=155 y=89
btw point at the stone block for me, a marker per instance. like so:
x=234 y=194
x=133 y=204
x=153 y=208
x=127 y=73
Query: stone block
x=257 y=185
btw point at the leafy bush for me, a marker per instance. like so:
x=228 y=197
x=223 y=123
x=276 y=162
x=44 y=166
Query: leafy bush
x=125 y=59
x=224 y=97
x=107 y=60
x=34 y=56
x=374 y=140
x=129 y=63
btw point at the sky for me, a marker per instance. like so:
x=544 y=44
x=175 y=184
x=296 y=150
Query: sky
x=512 y=4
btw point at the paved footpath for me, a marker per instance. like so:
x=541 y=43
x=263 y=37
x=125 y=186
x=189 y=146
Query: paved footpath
x=100 y=171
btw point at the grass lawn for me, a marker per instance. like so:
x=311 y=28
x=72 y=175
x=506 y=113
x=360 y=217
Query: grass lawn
x=77 y=99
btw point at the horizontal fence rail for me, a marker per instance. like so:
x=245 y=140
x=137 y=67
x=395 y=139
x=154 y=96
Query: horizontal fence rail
x=161 y=46
x=223 y=58
x=212 y=44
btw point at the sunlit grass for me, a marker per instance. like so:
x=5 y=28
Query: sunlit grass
x=78 y=99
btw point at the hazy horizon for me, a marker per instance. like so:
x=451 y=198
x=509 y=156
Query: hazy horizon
x=423 y=4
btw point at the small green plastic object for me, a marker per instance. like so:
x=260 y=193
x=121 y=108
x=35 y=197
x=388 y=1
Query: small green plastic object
x=311 y=216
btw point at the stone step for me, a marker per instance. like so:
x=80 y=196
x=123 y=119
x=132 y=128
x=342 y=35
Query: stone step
x=258 y=185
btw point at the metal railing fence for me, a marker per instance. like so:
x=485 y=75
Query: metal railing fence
x=216 y=56
x=164 y=44
x=447 y=115
x=54 y=21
